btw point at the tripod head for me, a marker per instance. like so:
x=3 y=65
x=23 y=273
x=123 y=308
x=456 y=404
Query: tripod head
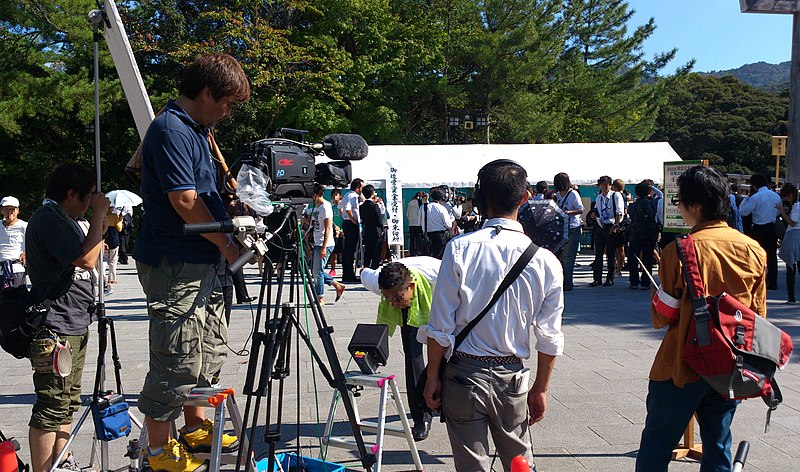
x=243 y=229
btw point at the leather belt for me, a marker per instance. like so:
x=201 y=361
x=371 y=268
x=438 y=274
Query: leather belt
x=491 y=359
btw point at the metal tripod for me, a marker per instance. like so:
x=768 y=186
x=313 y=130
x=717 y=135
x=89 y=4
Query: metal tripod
x=105 y=325
x=271 y=348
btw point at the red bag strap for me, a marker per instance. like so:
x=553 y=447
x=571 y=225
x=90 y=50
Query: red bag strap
x=695 y=286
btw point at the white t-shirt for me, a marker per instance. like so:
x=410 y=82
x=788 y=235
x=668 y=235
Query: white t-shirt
x=571 y=201
x=318 y=216
x=12 y=243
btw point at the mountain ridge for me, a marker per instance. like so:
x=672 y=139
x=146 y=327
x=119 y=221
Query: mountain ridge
x=761 y=75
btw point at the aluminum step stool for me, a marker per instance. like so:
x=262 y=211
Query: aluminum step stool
x=220 y=399
x=384 y=383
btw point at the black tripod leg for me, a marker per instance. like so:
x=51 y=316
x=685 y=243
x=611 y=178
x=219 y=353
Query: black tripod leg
x=115 y=356
x=337 y=379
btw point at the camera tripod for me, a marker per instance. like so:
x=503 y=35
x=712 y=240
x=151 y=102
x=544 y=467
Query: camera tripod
x=105 y=326
x=271 y=348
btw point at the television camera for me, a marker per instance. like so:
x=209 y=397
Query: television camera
x=288 y=167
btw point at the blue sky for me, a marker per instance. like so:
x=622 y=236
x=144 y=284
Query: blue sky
x=714 y=32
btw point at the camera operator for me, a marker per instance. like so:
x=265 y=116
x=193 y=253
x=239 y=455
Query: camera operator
x=60 y=259
x=414 y=216
x=177 y=272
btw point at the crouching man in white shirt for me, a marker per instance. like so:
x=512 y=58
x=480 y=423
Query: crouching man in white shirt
x=485 y=385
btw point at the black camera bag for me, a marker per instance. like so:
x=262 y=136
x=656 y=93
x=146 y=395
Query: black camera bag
x=20 y=320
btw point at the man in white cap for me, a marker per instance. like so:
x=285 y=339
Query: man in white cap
x=12 y=244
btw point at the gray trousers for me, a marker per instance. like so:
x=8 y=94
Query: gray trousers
x=479 y=398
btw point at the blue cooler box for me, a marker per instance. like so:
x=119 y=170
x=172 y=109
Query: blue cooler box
x=289 y=460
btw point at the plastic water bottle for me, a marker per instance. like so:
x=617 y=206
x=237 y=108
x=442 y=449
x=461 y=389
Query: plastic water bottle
x=8 y=458
x=520 y=464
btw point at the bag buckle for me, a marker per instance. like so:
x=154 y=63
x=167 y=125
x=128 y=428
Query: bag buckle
x=738 y=339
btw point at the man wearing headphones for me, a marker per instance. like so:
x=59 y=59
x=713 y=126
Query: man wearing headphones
x=485 y=385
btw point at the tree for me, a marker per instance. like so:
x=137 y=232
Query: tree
x=47 y=98
x=500 y=56
x=724 y=121
x=609 y=92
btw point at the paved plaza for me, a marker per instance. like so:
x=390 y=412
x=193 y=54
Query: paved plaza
x=596 y=402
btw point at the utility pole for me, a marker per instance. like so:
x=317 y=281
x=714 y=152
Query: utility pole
x=787 y=7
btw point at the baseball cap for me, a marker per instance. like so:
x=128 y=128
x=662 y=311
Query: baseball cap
x=9 y=201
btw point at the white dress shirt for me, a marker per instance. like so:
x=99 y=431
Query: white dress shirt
x=427 y=266
x=12 y=243
x=472 y=268
x=762 y=206
x=351 y=201
x=569 y=202
x=439 y=218
x=606 y=206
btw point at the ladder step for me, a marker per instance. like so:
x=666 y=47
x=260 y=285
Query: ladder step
x=366 y=380
x=345 y=442
x=392 y=430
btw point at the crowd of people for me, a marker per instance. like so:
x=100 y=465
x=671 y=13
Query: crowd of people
x=480 y=303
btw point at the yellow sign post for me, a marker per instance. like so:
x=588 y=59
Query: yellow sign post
x=779 y=144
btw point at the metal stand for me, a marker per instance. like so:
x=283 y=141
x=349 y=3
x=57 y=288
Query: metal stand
x=105 y=325
x=358 y=381
x=275 y=341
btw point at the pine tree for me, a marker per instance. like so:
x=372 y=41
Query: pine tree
x=609 y=92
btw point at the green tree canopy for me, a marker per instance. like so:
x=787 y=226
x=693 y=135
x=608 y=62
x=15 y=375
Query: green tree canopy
x=724 y=121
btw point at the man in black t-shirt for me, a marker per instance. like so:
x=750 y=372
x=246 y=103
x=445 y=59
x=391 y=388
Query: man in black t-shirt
x=60 y=258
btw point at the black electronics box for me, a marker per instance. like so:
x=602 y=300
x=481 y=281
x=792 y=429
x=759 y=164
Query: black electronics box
x=369 y=346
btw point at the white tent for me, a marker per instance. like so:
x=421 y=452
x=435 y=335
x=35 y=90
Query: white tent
x=458 y=165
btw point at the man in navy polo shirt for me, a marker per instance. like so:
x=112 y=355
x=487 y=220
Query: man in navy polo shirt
x=177 y=272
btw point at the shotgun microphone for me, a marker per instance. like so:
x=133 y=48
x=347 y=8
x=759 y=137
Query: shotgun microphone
x=343 y=147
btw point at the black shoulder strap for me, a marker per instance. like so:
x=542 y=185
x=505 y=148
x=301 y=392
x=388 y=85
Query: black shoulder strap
x=424 y=209
x=507 y=281
x=564 y=201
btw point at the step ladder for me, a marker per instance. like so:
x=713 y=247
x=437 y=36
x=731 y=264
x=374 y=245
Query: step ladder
x=357 y=381
x=223 y=401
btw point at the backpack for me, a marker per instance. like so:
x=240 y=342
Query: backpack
x=734 y=220
x=20 y=320
x=729 y=345
x=644 y=224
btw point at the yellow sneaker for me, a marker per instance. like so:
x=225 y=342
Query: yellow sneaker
x=174 y=458
x=200 y=440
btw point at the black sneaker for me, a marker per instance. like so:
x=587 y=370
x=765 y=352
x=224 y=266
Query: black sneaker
x=420 y=431
x=608 y=283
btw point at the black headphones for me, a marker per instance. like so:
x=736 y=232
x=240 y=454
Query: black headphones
x=478 y=199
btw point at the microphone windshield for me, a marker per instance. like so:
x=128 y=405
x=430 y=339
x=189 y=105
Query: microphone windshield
x=345 y=147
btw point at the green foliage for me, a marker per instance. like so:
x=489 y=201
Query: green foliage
x=609 y=92
x=391 y=70
x=724 y=121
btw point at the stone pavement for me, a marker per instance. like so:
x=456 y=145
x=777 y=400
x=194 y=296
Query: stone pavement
x=596 y=405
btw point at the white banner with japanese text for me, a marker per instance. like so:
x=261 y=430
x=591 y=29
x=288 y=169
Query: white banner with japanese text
x=394 y=206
